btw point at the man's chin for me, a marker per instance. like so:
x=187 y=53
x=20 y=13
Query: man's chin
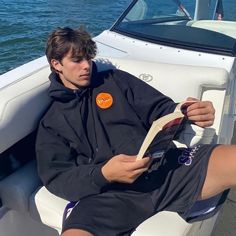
x=84 y=84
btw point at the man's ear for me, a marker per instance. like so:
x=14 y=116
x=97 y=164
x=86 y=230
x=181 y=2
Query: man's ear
x=56 y=65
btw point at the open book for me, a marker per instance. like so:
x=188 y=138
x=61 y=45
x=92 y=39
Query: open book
x=164 y=130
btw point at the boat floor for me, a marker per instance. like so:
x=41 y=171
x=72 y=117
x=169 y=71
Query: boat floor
x=226 y=225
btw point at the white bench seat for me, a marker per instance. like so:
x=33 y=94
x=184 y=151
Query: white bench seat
x=23 y=102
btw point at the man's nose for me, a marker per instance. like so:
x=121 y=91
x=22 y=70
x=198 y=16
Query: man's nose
x=85 y=63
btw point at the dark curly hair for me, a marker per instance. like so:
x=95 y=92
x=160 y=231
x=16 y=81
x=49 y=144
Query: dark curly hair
x=63 y=40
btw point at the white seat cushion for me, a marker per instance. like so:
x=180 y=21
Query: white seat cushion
x=48 y=208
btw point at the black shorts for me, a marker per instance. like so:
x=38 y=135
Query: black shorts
x=173 y=183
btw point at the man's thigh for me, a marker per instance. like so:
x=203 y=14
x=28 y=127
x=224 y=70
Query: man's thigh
x=221 y=171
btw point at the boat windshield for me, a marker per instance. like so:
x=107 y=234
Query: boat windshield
x=208 y=25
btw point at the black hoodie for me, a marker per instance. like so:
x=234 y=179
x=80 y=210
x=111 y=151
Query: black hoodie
x=76 y=137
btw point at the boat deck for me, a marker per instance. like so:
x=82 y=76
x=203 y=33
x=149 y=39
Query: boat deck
x=227 y=220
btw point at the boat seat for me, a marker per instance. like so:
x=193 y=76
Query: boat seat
x=223 y=27
x=177 y=81
x=23 y=102
x=167 y=78
x=49 y=209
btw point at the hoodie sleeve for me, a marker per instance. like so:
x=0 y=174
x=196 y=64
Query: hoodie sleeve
x=148 y=103
x=59 y=170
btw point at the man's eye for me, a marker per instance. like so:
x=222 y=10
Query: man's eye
x=80 y=59
x=77 y=60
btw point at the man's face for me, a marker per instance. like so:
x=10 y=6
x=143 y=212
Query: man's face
x=74 y=72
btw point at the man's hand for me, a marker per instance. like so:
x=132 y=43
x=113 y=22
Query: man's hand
x=125 y=169
x=201 y=113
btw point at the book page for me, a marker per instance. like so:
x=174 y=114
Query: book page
x=167 y=126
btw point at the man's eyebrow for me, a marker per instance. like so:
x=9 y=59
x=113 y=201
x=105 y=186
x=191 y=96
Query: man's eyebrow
x=77 y=56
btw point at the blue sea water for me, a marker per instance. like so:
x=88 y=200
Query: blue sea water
x=25 y=24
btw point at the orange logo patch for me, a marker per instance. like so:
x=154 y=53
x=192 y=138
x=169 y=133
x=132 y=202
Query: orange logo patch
x=104 y=100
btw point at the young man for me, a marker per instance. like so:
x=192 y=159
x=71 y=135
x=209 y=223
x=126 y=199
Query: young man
x=89 y=138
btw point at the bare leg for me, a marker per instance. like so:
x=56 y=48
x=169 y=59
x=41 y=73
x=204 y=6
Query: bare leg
x=76 y=232
x=221 y=172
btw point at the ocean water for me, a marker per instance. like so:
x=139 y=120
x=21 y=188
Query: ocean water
x=25 y=24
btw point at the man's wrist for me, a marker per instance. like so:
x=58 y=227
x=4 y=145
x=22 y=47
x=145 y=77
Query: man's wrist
x=105 y=174
x=98 y=177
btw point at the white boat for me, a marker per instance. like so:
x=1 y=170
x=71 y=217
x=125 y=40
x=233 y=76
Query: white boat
x=179 y=48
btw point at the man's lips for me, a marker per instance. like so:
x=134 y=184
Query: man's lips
x=85 y=76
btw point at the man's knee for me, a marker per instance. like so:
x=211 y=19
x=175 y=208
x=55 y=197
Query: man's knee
x=76 y=232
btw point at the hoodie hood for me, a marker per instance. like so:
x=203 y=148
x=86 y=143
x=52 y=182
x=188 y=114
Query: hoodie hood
x=57 y=91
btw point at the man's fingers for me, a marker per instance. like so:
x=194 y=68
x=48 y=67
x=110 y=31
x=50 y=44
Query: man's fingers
x=192 y=99
x=204 y=123
x=204 y=117
x=206 y=106
x=138 y=164
x=140 y=171
x=126 y=158
x=144 y=162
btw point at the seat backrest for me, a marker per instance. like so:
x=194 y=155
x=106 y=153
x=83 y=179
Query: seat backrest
x=24 y=101
x=223 y=27
x=178 y=81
